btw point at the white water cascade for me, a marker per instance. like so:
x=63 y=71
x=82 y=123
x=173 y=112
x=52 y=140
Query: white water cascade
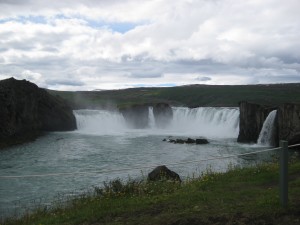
x=209 y=122
x=266 y=136
x=99 y=122
x=212 y=122
x=151 y=118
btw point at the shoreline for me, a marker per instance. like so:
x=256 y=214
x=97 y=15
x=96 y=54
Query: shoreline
x=242 y=194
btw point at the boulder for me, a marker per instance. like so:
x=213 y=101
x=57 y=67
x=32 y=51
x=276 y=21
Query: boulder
x=137 y=116
x=190 y=141
x=163 y=173
x=201 y=141
x=252 y=117
x=27 y=110
x=179 y=141
x=163 y=114
x=289 y=123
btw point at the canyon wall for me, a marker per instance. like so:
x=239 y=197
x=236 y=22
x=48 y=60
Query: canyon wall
x=27 y=110
x=287 y=122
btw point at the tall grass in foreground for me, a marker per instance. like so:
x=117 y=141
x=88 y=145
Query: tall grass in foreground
x=247 y=193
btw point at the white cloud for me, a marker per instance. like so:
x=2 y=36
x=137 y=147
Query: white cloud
x=167 y=42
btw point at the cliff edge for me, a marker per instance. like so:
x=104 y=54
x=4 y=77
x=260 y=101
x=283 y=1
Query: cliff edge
x=27 y=110
x=287 y=122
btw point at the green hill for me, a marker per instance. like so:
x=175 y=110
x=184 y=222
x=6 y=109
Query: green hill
x=191 y=95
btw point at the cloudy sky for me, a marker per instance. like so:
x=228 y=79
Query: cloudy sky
x=113 y=44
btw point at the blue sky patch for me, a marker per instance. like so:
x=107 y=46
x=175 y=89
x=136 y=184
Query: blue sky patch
x=25 y=19
x=117 y=27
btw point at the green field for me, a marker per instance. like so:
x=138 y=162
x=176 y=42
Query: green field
x=239 y=196
x=190 y=96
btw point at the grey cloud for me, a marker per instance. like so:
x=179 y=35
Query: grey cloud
x=203 y=78
x=143 y=74
x=65 y=82
x=207 y=61
x=3 y=49
x=289 y=59
x=64 y=52
x=50 y=49
x=14 y=2
x=20 y=45
x=283 y=78
x=48 y=64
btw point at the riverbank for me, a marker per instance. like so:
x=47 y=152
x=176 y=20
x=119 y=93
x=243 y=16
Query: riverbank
x=239 y=196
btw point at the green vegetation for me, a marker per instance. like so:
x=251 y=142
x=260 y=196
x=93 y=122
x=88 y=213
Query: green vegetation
x=191 y=96
x=240 y=196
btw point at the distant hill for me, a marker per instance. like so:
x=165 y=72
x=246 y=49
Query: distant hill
x=190 y=95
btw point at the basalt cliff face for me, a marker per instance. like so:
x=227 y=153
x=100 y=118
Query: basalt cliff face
x=27 y=110
x=287 y=122
x=163 y=114
x=252 y=117
x=137 y=116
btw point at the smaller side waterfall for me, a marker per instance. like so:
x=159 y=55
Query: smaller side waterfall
x=266 y=136
x=151 y=118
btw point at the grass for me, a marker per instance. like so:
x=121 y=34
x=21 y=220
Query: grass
x=239 y=196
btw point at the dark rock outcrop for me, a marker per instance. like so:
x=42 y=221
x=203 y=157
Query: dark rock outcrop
x=201 y=141
x=190 y=141
x=137 y=116
x=198 y=141
x=27 y=110
x=289 y=123
x=163 y=173
x=252 y=117
x=163 y=114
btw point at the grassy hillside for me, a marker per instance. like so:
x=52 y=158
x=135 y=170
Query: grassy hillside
x=191 y=96
x=240 y=196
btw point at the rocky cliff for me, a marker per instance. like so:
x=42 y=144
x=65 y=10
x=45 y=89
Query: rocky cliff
x=137 y=116
x=27 y=110
x=163 y=114
x=289 y=123
x=252 y=117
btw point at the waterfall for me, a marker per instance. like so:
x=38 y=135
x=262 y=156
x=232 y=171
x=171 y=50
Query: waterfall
x=151 y=118
x=209 y=122
x=217 y=122
x=266 y=136
x=99 y=122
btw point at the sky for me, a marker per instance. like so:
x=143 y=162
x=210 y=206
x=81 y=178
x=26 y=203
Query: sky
x=115 y=44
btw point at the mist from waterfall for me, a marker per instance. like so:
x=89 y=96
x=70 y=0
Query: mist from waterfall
x=267 y=133
x=100 y=122
x=209 y=122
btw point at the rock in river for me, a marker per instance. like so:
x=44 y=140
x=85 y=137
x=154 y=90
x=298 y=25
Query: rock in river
x=198 y=141
x=163 y=173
